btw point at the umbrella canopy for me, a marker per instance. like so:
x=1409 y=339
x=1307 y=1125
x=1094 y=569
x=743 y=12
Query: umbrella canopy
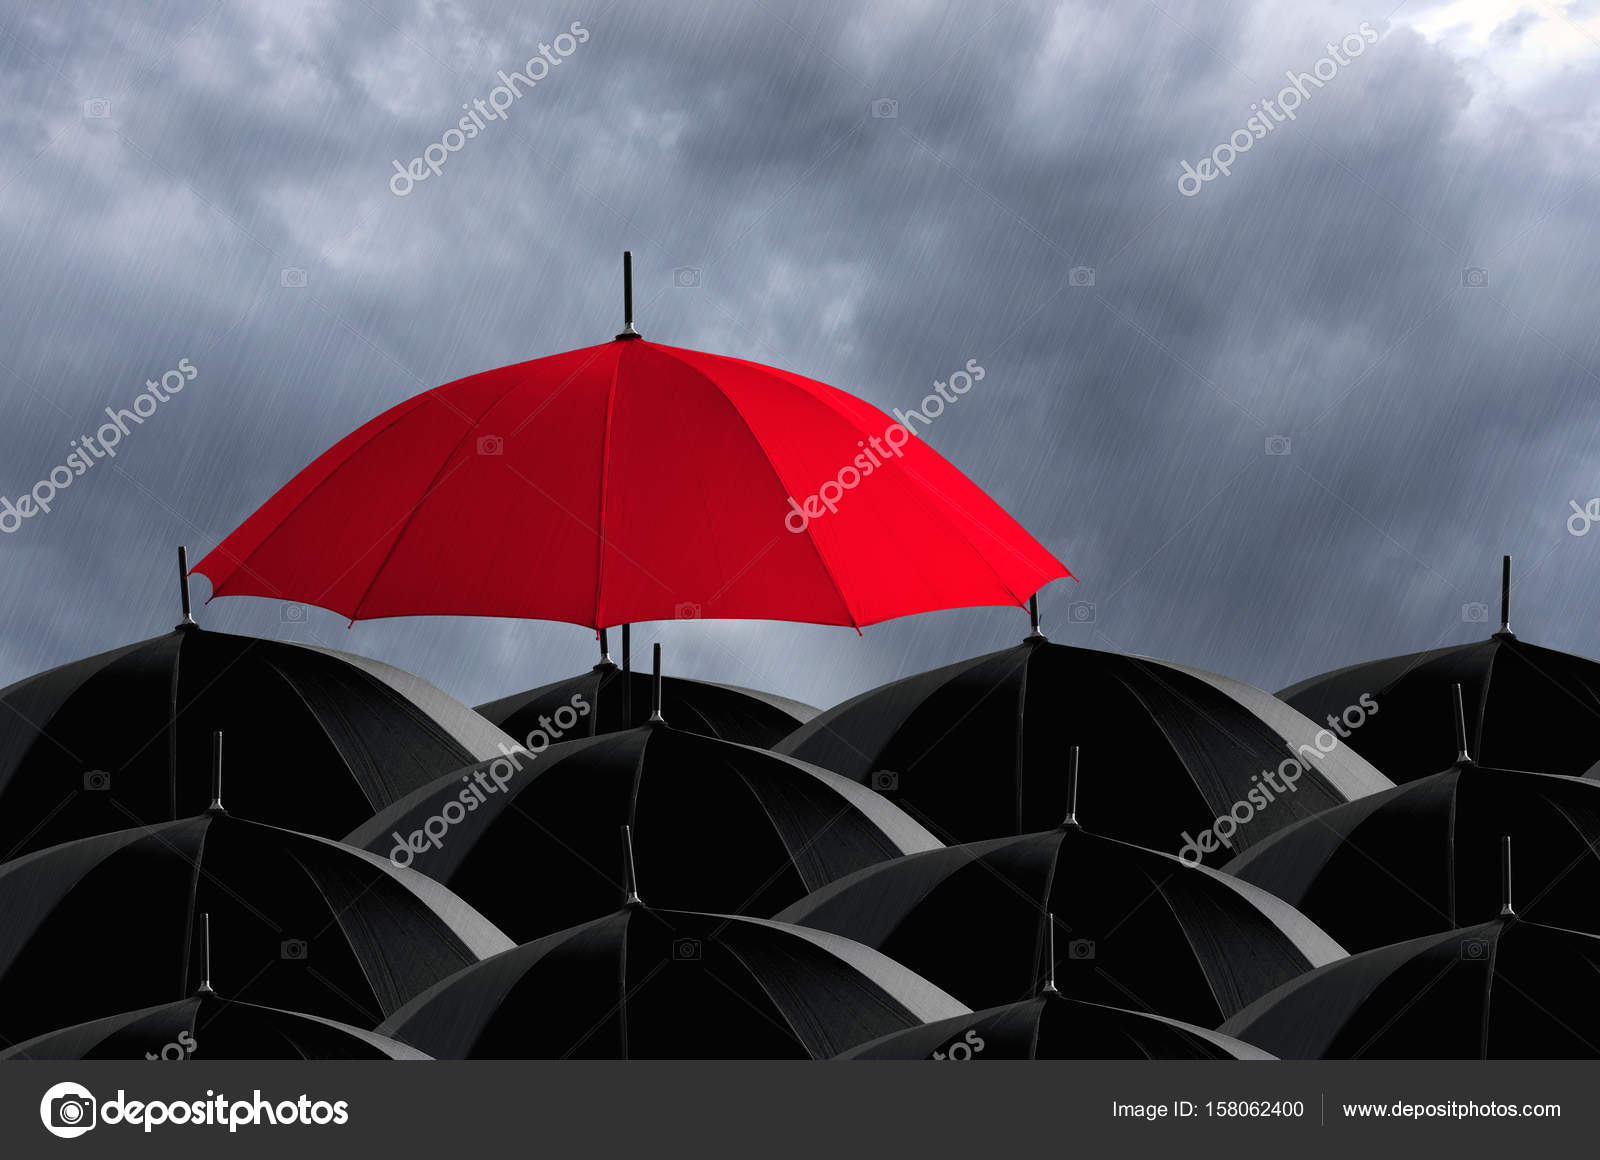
x=1504 y=989
x=1143 y=929
x=633 y=481
x=620 y=699
x=975 y=749
x=721 y=826
x=319 y=738
x=1527 y=707
x=643 y=983
x=1055 y=1027
x=1420 y=858
x=205 y=1026
x=103 y=925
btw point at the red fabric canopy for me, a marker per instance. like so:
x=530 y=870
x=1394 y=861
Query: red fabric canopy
x=629 y=482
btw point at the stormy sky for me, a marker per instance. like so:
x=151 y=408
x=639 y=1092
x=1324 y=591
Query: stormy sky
x=1287 y=423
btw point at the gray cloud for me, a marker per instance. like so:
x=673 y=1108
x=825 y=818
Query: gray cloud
x=1316 y=293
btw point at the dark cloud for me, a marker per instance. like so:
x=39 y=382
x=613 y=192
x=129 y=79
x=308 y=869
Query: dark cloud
x=1317 y=293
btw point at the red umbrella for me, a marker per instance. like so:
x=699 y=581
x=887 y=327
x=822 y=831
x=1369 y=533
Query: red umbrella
x=633 y=481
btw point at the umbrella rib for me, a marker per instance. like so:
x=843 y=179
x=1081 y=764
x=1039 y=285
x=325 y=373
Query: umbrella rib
x=822 y=559
x=427 y=492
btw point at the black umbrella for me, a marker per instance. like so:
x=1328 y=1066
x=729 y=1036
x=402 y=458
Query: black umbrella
x=1419 y=858
x=207 y=1026
x=320 y=738
x=529 y=839
x=1143 y=929
x=1527 y=707
x=1054 y=1027
x=646 y=983
x=973 y=750
x=1503 y=989
x=618 y=698
x=102 y=925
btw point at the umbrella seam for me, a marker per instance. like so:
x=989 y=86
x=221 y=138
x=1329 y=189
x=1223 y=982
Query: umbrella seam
x=427 y=492
x=827 y=568
x=605 y=489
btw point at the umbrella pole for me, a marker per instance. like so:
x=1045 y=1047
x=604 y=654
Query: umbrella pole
x=1505 y=595
x=1035 y=633
x=216 y=806
x=655 y=691
x=1506 y=909
x=188 y=620
x=627 y=297
x=1463 y=754
x=630 y=875
x=1072 y=788
x=1049 y=987
x=205 y=952
x=627 y=677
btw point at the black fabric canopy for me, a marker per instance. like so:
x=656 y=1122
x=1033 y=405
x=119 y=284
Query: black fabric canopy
x=1135 y=928
x=1422 y=857
x=717 y=826
x=208 y=1027
x=1504 y=989
x=747 y=716
x=317 y=739
x=643 y=983
x=976 y=749
x=104 y=925
x=1055 y=1027
x=1526 y=707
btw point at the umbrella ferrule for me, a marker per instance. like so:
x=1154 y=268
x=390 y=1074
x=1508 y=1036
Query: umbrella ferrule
x=1049 y=987
x=627 y=298
x=188 y=620
x=1071 y=820
x=1507 y=910
x=1463 y=754
x=630 y=874
x=205 y=987
x=216 y=806
x=1505 y=599
x=655 y=690
x=1035 y=633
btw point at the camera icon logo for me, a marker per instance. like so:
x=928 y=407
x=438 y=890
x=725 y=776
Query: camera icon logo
x=67 y=1110
x=686 y=277
x=1475 y=612
x=1475 y=950
x=687 y=610
x=884 y=109
x=885 y=780
x=292 y=276
x=1277 y=445
x=1475 y=276
x=96 y=109
x=1080 y=276
x=491 y=445
x=1081 y=612
x=686 y=950
x=292 y=613
x=294 y=950
x=1080 y=950
x=96 y=779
